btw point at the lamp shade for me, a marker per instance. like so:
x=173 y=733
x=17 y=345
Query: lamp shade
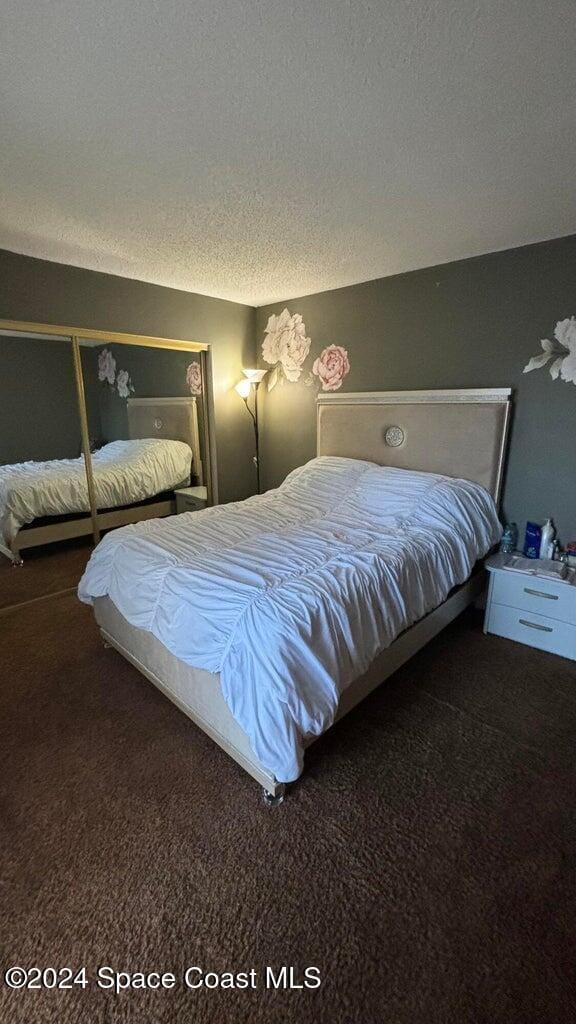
x=254 y=375
x=243 y=388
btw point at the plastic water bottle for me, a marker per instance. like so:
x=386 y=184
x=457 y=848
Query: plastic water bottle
x=509 y=539
x=547 y=540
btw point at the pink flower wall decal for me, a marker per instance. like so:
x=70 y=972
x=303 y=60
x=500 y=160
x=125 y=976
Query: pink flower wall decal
x=194 y=378
x=331 y=366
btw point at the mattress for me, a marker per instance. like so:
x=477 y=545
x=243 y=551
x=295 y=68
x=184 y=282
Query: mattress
x=289 y=596
x=125 y=472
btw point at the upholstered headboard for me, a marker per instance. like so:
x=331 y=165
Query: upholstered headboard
x=174 y=419
x=460 y=433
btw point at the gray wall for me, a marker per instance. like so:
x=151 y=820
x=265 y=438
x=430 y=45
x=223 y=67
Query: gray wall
x=46 y=292
x=474 y=323
x=38 y=406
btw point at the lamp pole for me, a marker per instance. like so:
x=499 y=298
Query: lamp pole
x=256 y=436
x=252 y=379
x=254 y=415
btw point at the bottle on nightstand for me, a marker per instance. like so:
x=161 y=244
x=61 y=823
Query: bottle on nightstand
x=509 y=541
x=547 y=539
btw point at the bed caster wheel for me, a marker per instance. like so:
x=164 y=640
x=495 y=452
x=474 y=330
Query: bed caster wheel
x=274 y=801
x=17 y=563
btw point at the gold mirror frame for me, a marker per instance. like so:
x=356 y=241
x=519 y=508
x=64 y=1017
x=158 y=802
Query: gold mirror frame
x=75 y=335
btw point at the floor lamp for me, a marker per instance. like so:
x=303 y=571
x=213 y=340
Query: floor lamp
x=252 y=380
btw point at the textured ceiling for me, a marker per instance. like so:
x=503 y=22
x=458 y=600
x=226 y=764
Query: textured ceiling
x=261 y=150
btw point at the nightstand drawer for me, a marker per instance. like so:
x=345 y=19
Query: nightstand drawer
x=191 y=499
x=534 y=630
x=184 y=503
x=534 y=594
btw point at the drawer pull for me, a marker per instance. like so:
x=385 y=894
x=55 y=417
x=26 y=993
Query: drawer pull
x=536 y=625
x=540 y=593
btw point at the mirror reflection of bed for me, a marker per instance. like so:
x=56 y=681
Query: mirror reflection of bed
x=144 y=421
x=145 y=427
x=136 y=476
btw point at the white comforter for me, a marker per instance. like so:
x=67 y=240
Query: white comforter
x=124 y=472
x=290 y=595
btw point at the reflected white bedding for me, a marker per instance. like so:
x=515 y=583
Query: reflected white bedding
x=290 y=595
x=124 y=472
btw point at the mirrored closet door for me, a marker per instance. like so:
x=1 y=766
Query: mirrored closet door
x=97 y=430
x=42 y=471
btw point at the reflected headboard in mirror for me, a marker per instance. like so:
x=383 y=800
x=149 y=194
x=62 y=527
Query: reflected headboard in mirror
x=459 y=433
x=174 y=419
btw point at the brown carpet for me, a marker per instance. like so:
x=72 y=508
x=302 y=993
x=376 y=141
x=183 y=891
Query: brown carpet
x=46 y=570
x=425 y=862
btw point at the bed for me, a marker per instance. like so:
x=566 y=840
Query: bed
x=134 y=479
x=347 y=569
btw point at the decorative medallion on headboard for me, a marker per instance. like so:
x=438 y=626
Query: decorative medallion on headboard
x=394 y=437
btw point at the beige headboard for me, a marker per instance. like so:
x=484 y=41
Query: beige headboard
x=174 y=419
x=457 y=433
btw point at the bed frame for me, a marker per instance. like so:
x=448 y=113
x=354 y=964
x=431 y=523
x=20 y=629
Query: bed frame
x=174 y=419
x=457 y=433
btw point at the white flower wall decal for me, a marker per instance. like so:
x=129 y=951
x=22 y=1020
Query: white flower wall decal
x=106 y=367
x=124 y=384
x=562 y=350
x=285 y=346
x=121 y=380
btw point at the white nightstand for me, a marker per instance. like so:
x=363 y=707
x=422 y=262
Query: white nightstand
x=532 y=609
x=191 y=499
